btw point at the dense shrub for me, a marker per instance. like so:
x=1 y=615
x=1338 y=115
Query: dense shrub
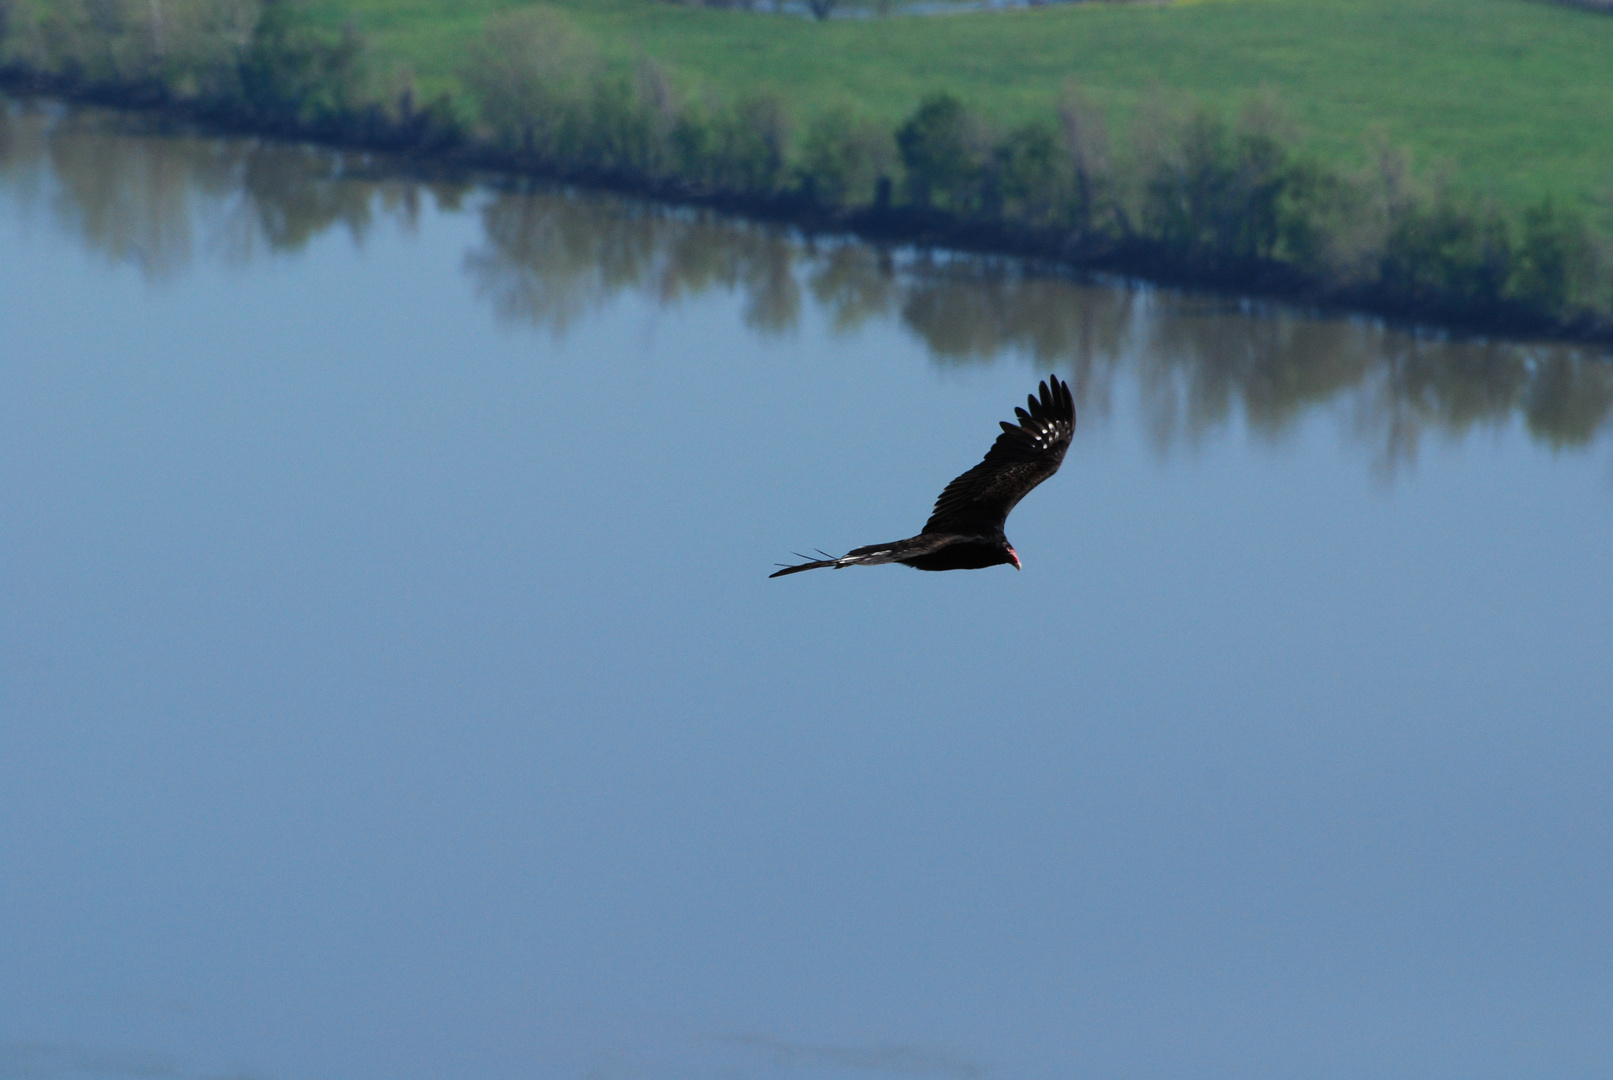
x=529 y=71
x=1555 y=271
x=628 y=124
x=691 y=142
x=737 y=148
x=545 y=96
x=1450 y=253
x=941 y=147
x=1214 y=191
x=294 y=70
x=750 y=140
x=844 y=158
x=1024 y=179
x=1092 y=206
x=184 y=48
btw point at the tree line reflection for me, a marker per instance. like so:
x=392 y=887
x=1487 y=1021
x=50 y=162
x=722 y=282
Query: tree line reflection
x=157 y=199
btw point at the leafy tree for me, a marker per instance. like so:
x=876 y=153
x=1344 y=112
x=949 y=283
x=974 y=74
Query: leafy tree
x=843 y=157
x=1026 y=178
x=1452 y=254
x=1555 y=260
x=939 y=146
x=751 y=140
x=1213 y=190
x=692 y=138
x=1086 y=146
x=529 y=71
x=295 y=70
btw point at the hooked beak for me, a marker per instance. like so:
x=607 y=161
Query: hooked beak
x=1014 y=555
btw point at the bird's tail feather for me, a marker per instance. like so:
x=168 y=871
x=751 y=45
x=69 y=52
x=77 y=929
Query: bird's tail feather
x=813 y=565
x=874 y=553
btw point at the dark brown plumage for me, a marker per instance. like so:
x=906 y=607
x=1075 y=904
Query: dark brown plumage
x=966 y=530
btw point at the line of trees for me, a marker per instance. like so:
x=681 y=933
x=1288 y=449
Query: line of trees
x=1183 y=192
x=545 y=258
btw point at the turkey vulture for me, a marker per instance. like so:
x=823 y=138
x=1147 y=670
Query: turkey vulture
x=966 y=530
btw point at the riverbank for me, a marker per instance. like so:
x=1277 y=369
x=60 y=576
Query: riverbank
x=1186 y=192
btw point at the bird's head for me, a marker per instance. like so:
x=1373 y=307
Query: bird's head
x=1013 y=556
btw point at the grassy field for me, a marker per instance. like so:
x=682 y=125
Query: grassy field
x=1514 y=97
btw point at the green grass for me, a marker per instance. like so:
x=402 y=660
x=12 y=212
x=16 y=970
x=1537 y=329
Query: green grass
x=1514 y=97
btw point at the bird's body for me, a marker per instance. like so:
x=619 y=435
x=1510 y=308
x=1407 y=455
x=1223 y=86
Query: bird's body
x=966 y=530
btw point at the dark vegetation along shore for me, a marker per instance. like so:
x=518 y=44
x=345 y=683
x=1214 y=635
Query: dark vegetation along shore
x=1162 y=183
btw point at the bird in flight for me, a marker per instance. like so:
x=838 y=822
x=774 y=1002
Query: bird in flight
x=966 y=530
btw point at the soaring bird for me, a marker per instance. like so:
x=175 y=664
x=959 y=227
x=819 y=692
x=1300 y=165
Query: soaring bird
x=966 y=530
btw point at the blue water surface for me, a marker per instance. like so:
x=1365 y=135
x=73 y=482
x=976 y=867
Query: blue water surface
x=391 y=685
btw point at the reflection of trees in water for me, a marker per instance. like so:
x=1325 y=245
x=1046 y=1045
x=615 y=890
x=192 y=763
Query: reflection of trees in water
x=1198 y=362
x=153 y=199
x=967 y=310
x=1564 y=395
x=550 y=258
x=23 y=171
x=297 y=192
x=127 y=198
x=852 y=283
x=1569 y=399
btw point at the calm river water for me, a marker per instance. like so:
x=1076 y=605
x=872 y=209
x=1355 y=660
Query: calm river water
x=391 y=685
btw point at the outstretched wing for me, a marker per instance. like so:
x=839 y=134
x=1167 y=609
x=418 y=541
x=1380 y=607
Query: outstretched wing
x=977 y=503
